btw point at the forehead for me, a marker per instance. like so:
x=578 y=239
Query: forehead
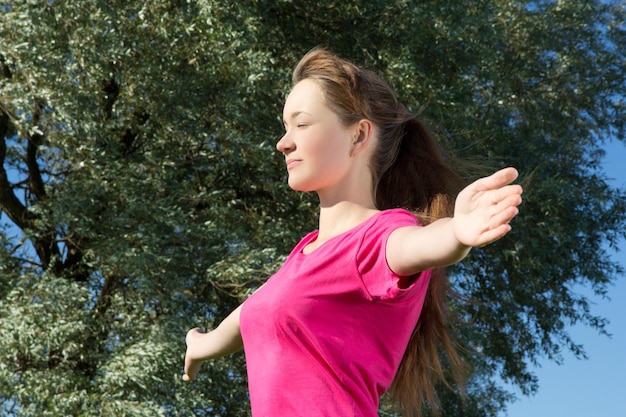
x=305 y=96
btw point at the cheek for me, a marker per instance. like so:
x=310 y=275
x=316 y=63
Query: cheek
x=332 y=144
x=332 y=160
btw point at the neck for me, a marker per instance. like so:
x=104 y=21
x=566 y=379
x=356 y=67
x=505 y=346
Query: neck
x=347 y=203
x=342 y=216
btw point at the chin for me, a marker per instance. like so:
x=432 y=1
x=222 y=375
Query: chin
x=299 y=186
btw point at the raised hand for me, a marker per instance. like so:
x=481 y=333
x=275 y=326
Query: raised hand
x=484 y=208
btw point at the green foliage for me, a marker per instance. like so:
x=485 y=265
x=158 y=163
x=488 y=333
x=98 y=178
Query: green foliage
x=142 y=195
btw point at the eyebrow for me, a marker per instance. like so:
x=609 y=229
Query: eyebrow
x=296 y=114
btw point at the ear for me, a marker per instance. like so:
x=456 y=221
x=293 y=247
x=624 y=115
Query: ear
x=363 y=133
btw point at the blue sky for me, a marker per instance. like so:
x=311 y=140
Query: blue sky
x=595 y=387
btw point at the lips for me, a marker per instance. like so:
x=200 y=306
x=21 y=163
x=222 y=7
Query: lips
x=291 y=163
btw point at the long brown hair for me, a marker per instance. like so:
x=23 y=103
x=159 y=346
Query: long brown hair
x=409 y=171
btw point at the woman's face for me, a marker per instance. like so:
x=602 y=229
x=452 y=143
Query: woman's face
x=316 y=145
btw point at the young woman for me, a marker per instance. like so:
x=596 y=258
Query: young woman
x=338 y=324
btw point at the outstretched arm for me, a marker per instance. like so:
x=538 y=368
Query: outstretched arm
x=482 y=214
x=223 y=340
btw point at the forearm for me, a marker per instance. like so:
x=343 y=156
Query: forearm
x=223 y=340
x=440 y=245
x=414 y=249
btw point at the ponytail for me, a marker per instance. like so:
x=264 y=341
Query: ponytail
x=413 y=174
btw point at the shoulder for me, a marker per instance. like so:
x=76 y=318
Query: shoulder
x=393 y=218
x=377 y=229
x=380 y=280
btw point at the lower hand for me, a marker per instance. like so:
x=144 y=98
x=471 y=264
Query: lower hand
x=192 y=363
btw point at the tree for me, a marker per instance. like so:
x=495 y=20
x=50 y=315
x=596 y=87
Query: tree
x=142 y=194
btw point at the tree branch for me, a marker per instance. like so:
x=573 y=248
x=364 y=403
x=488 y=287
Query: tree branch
x=9 y=203
x=36 y=184
x=104 y=298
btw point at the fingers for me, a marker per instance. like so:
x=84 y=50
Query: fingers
x=486 y=207
x=504 y=205
x=192 y=367
x=503 y=216
x=502 y=211
x=497 y=180
x=189 y=374
x=505 y=175
x=510 y=195
x=492 y=235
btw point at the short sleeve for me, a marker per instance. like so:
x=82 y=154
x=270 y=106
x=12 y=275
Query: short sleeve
x=379 y=280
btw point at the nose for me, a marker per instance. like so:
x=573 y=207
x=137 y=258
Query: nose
x=285 y=144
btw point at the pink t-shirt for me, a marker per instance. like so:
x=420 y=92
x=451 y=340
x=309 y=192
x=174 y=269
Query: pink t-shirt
x=325 y=335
